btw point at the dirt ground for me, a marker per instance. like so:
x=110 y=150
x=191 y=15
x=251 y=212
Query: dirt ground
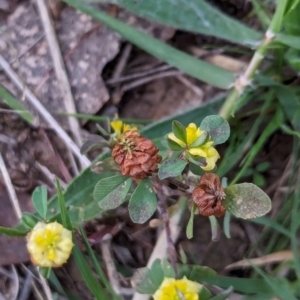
x=93 y=55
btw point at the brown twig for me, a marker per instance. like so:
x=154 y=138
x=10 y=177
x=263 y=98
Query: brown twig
x=59 y=68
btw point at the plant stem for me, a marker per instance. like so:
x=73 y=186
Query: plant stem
x=244 y=80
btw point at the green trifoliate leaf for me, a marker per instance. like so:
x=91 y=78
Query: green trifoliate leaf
x=143 y=202
x=190 y=225
x=246 y=201
x=171 y=168
x=39 y=200
x=202 y=139
x=173 y=145
x=217 y=127
x=179 y=131
x=111 y=192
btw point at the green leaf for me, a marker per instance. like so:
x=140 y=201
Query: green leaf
x=293 y=58
x=87 y=274
x=217 y=127
x=195 y=15
x=39 y=200
x=190 y=225
x=259 y=179
x=263 y=167
x=290 y=131
x=12 y=231
x=171 y=168
x=281 y=288
x=76 y=215
x=147 y=281
x=96 y=264
x=246 y=201
x=111 y=192
x=16 y=105
x=199 y=69
x=29 y=220
x=179 y=131
x=289 y=40
x=202 y=139
x=173 y=145
x=224 y=295
x=197 y=160
x=168 y=269
x=62 y=205
x=142 y=203
x=290 y=102
x=45 y=272
x=226 y=224
x=196 y=273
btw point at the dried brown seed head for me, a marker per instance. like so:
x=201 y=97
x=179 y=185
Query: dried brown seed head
x=137 y=156
x=208 y=196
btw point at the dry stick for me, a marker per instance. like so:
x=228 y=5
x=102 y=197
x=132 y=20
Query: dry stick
x=122 y=62
x=160 y=250
x=117 y=95
x=109 y=263
x=11 y=191
x=43 y=111
x=145 y=80
x=17 y=209
x=191 y=86
x=138 y=75
x=162 y=208
x=59 y=68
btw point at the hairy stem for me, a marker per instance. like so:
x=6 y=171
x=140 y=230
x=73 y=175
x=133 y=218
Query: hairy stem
x=245 y=79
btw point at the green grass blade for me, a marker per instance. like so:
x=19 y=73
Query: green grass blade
x=194 y=15
x=88 y=275
x=281 y=288
x=63 y=210
x=204 y=71
x=12 y=231
x=289 y=40
x=97 y=265
x=272 y=224
x=261 y=13
x=271 y=127
x=103 y=118
x=14 y=104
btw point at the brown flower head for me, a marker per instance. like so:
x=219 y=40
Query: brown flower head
x=208 y=196
x=137 y=156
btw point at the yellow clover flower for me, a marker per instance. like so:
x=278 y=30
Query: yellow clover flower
x=49 y=245
x=172 y=289
x=119 y=127
x=210 y=154
x=206 y=151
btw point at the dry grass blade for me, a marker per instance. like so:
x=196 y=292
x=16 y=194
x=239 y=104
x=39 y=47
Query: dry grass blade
x=264 y=260
x=59 y=68
x=110 y=266
x=43 y=111
x=10 y=188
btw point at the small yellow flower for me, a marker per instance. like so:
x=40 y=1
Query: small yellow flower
x=172 y=289
x=192 y=134
x=119 y=127
x=49 y=245
x=210 y=154
x=206 y=151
